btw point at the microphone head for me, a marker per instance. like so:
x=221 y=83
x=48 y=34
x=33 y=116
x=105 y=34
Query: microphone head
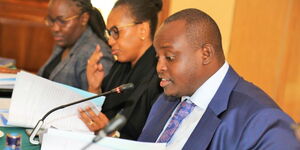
x=126 y=86
x=123 y=87
x=115 y=124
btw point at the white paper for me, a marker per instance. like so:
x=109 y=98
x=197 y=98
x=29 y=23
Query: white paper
x=65 y=140
x=34 y=96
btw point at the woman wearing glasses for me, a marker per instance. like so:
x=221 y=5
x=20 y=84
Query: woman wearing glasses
x=77 y=28
x=130 y=27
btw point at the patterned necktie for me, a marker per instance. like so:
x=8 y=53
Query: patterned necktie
x=182 y=111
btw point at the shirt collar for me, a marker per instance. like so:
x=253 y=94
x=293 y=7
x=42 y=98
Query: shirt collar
x=208 y=89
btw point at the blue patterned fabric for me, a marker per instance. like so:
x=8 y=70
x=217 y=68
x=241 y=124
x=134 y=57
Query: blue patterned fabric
x=184 y=109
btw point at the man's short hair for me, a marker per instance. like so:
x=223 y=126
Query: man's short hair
x=200 y=28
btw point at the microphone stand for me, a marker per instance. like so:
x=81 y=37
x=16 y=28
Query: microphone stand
x=41 y=121
x=115 y=124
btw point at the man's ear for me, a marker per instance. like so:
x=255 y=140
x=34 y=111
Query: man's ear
x=208 y=53
x=85 y=18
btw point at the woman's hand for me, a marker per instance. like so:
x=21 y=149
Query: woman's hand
x=92 y=121
x=95 y=71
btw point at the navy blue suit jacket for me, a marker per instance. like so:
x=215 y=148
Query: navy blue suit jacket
x=239 y=117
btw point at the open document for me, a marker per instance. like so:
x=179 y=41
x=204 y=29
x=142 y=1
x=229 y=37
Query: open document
x=34 y=96
x=65 y=140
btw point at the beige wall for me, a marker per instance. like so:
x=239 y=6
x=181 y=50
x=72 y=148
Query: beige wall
x=221 y=11
x=265 y=46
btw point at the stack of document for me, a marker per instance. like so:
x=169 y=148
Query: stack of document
x=34 y=96
x=7 y=80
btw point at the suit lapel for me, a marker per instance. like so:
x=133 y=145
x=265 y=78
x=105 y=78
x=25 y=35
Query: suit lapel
x=204 y=131
x=203 y=134
x=57 y=50
x=60 y=66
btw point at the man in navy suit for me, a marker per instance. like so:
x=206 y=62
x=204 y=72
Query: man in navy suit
x=225 y=111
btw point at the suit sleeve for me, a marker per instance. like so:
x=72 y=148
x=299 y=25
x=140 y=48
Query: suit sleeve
x=269 y=129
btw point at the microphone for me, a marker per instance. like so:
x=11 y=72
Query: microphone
x=123 y=87
x=39 y=124
x=115 y=124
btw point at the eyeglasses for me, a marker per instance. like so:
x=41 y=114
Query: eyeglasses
x=114 y=31
x=59 y=20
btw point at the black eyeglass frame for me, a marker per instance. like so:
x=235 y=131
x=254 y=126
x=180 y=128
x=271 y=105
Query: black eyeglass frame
x=114 y=31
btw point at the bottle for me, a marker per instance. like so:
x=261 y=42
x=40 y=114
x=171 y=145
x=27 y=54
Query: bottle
x=13 y=141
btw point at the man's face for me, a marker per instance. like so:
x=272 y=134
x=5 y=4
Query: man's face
x=179 y=64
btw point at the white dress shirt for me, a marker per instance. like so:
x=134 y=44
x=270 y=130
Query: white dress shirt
x=201 y=98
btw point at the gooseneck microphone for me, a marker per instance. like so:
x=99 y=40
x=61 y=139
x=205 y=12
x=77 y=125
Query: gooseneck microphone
x=115 y=124
x=39 y=124
x=122 y=87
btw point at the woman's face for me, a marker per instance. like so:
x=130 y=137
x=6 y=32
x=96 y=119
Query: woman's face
x=65 y=21
x=127 y=44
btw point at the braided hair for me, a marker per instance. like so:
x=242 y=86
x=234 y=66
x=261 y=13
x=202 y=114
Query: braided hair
x=96 y=20
x=143 y=10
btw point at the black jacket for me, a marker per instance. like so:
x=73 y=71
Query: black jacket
x=138 y=101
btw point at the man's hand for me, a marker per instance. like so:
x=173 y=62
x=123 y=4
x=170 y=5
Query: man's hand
x=296 y=128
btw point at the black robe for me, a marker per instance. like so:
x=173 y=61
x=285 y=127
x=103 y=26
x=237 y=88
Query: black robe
x=136 y=102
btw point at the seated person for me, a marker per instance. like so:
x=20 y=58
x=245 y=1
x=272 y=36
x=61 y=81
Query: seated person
x=131 y=25
x=77 y=28
x=206 y=104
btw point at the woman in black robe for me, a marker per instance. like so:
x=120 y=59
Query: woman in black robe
x=131 y=26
